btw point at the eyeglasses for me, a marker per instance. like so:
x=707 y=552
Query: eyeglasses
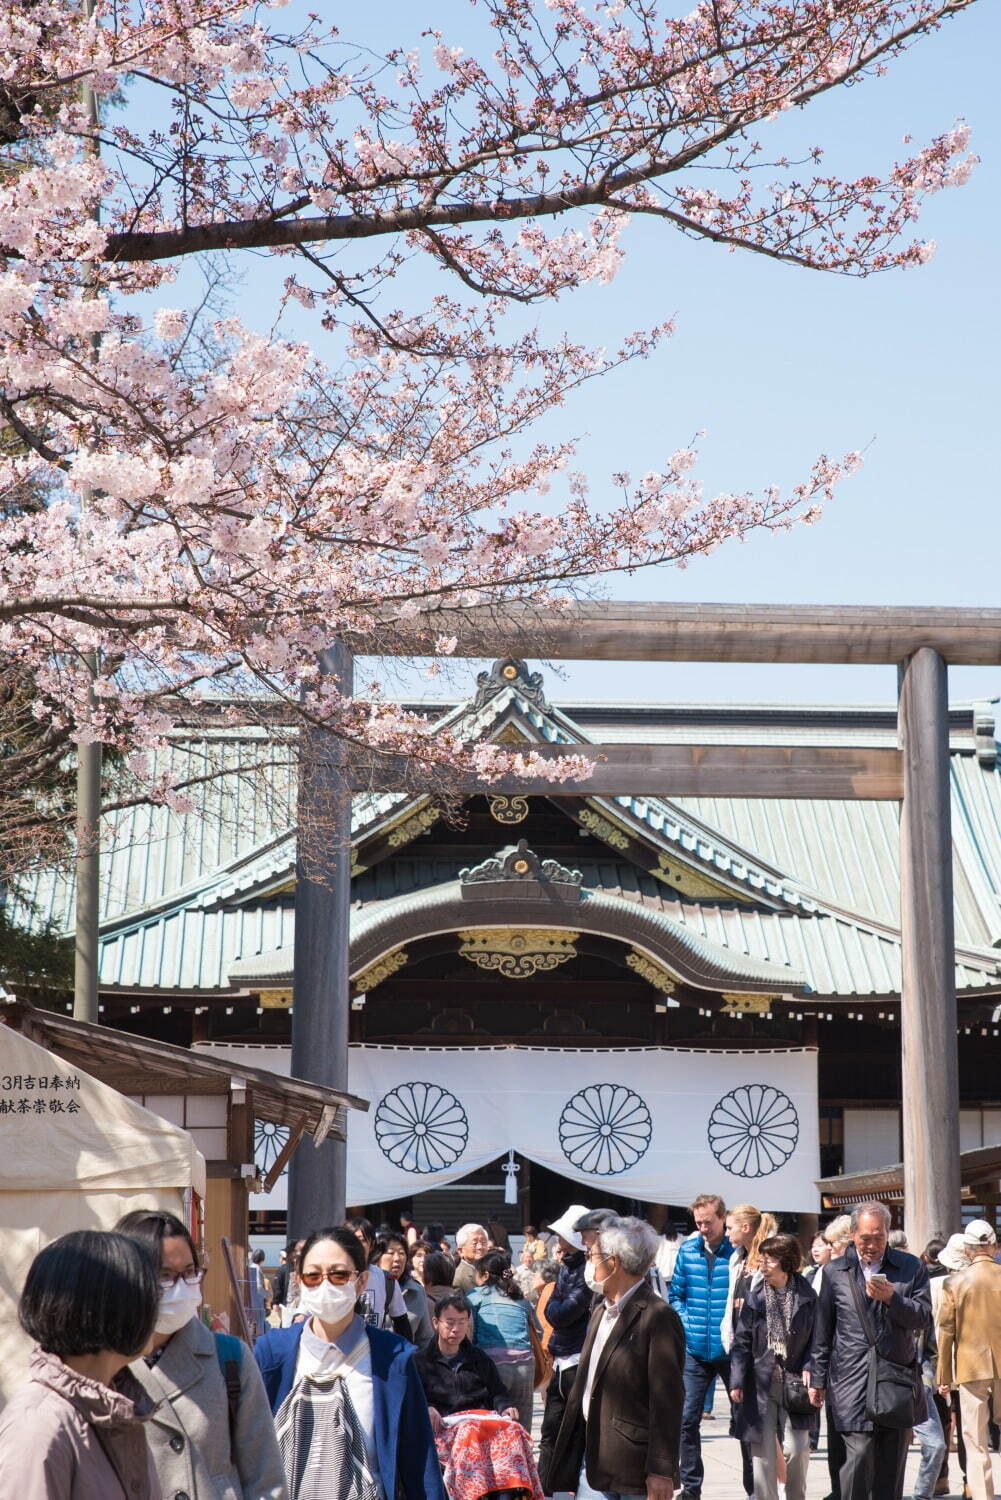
x=337 y=1277
x=598 y=1256
x=190 y=1278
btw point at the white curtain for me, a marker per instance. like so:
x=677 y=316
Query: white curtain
x=660 y=1124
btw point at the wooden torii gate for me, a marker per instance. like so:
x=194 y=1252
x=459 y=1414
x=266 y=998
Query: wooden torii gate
x=920 y=642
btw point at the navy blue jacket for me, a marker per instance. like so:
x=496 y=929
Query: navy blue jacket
x=568 y=1310
x=839 y=1360
x=752 y=1363
x=700 y=1302
x=403 y=1438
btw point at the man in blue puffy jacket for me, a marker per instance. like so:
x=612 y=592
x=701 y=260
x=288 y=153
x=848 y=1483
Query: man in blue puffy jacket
x=698 y=1295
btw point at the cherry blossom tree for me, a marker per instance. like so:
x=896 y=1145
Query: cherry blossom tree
x=222 y=501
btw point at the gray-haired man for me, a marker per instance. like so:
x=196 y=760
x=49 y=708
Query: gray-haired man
x=889 y=1290
x=472 y=1242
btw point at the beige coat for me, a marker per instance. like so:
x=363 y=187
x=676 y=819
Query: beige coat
x=188 y=1427
x=64 y=1437
x=969 y=1325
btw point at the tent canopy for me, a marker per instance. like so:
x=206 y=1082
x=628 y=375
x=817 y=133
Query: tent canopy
x=63 y=1131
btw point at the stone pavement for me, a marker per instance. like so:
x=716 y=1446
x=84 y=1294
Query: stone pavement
x=721 y=1456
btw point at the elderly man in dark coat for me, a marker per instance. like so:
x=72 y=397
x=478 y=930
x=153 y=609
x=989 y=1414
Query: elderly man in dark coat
x=621 y=1432
x=890 y=1289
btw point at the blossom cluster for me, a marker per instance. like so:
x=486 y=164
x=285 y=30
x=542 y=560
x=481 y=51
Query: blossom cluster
x=220 y=504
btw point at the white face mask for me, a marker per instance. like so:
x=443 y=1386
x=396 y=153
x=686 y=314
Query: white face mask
x=589 y=1276
x=178 y=1305
x=327 y=1302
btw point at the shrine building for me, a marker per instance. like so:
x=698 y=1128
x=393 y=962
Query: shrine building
x=557 y=996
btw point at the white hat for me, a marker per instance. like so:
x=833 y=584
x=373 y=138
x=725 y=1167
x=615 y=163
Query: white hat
x=953 y=1255
x=979 y=1232
x=564 y=1225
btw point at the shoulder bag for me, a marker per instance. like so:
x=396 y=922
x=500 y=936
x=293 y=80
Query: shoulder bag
x=795 y=1396
x=891 y=1395
x=541 y=1356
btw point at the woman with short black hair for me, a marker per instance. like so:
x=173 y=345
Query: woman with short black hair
x=346 y=1396
x=210 y=1431
x=438 y=1270
x=74 y=1431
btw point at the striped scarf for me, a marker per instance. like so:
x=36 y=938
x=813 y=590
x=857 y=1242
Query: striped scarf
x=778 y=1316
x=321 y=1439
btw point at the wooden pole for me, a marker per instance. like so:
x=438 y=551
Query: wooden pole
x=321 y=1010
x=633 y=630
x=87 y=869
x=928 y=987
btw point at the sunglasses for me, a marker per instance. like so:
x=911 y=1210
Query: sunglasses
x=337 y=1277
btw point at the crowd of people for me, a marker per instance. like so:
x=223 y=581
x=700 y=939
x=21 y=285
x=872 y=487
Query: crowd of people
x=394 y=1365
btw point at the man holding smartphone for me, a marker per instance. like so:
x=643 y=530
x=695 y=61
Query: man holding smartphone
x=889 y=1288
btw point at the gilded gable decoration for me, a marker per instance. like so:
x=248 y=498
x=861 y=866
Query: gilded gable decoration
x=518 y=952
x=381 y=970
x=749 y=1005
x=508 y=809
x=689 y=882
x=654 y=973
x=413 y=826
x=603 y=828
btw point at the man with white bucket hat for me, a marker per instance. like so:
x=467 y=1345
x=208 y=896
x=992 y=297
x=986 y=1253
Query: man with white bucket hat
x=569 y=1311
x=969 y=1349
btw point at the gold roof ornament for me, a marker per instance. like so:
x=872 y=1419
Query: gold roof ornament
x=275 y=999
x=382 y=969
x=518 y=952
x=508 y=809
x=413 y=826
x=689 y=882
x=748 y=1005
x=654 y=973
x=603 y=828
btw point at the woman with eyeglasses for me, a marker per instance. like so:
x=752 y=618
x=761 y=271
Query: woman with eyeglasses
x=210 y=1431
x=349 y=1409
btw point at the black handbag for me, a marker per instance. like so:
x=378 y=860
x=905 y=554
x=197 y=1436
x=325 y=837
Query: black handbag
x=795 y=1396
x=891 y=1392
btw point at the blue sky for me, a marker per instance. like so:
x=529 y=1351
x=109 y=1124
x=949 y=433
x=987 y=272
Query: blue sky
x=780 y=364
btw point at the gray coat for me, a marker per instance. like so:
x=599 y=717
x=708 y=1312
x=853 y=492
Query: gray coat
x=839 y=1360
x=421 y=1331
x=188 y=1430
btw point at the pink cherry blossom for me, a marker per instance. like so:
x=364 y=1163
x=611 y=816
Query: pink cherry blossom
x=218 y=504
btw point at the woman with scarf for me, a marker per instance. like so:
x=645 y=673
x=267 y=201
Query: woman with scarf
x=349 y=1409
x=210 y=1430
x=772 y=1342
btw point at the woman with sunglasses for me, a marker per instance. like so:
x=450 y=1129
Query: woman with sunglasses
x=210 y=1431
x=350 y=1412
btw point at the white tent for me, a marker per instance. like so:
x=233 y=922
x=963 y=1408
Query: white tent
x=74 y=1154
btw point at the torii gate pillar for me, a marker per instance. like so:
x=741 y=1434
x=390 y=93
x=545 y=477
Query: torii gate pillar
x=320 y=994
x=930 y=1071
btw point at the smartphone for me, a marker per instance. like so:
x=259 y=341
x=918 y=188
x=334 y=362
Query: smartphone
x=879 y=1278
